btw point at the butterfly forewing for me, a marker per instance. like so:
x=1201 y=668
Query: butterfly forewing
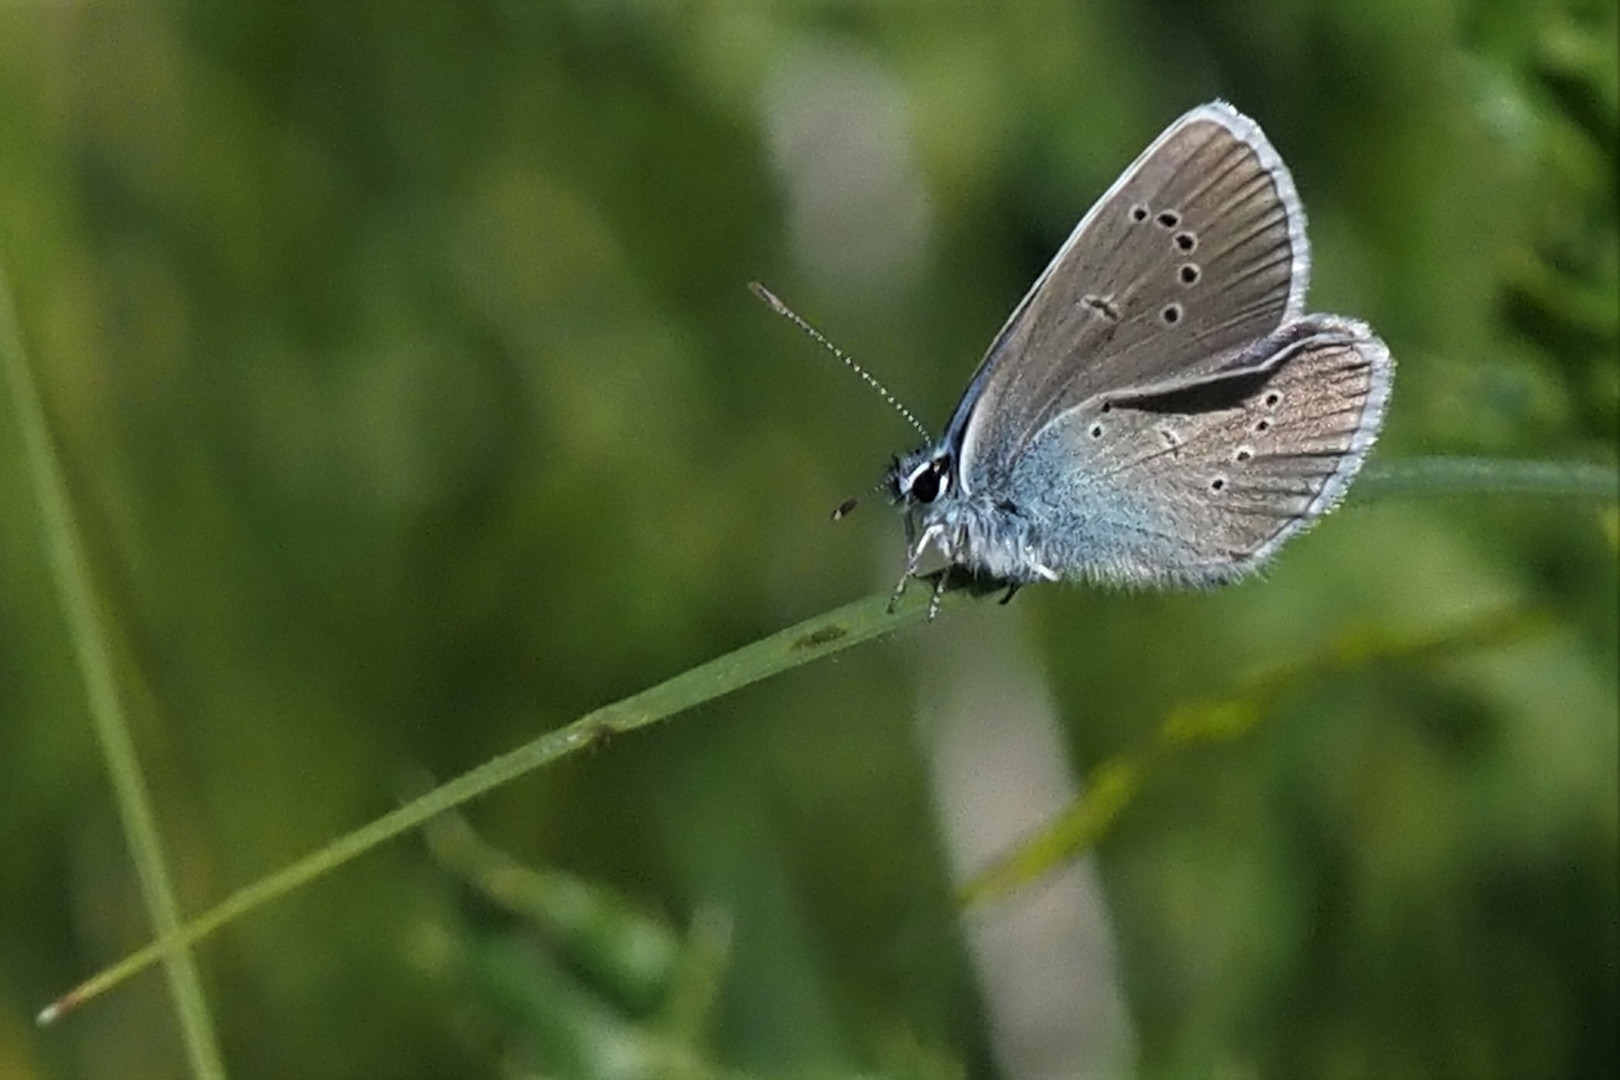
x=1195 y=254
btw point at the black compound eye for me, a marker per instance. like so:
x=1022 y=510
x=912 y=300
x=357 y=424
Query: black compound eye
x=927 y=486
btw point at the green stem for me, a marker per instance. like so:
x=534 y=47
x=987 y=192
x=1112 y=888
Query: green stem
x=812 y=639
x=1487 y=476
x=71 y=575
x=1115 y=781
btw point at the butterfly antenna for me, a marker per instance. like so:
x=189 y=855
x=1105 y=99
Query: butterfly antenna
x=793 y=317
x=847 y=507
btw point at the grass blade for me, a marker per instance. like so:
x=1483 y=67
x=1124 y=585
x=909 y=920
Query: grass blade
x=1421 y=476
x=1087 y=820
x=70 y=573
x=812 y=639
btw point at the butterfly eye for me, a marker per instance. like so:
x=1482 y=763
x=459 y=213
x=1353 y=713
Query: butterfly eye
x=930 y=482
x=926 y=487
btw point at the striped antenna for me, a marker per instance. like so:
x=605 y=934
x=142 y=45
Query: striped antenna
x=847 y=507
x=791 y=316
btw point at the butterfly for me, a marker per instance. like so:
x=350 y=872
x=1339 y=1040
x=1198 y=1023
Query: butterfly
x=1159 y=409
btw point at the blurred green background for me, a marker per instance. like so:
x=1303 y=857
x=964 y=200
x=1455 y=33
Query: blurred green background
x=412 y=403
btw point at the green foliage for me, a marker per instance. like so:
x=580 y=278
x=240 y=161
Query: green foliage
x=405 y=386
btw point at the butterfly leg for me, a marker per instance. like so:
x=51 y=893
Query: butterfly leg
x=913 y=560
x=939 y=591
x=899 y=591
x=1012 y=590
